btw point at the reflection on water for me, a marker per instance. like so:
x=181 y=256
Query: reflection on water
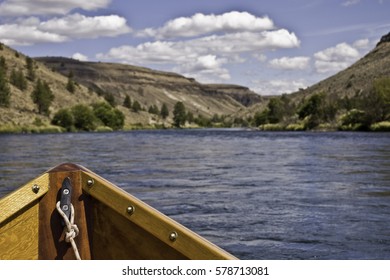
x=259 y=195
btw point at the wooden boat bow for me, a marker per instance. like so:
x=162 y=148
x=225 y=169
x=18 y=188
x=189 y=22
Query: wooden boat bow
x=112 y=223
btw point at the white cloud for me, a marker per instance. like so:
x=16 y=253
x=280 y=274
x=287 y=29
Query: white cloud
x=260 y=57
x=222 y=45
x=200 y=24
x=31 y=30
x=290 y=63
x=80 y=26
x=336 y=58
x=211 y=52
x=350 y=3
x=362 y=44
x=48 y=7
x=207 y=68
x=278 y=86
x=80 y=56
x=15 y=34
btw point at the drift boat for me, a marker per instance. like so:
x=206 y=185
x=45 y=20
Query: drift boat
x=69 y=212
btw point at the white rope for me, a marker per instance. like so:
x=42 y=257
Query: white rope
x=71 y=229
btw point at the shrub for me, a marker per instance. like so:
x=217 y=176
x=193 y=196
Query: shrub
x=109 y=116
x=64 y=118
x=84 y=119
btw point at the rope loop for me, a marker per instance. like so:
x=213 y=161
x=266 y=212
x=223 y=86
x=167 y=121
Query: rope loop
x=71 y=229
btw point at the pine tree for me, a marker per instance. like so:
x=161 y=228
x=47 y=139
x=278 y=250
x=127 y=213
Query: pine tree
x=5 y=92
x=18 y=80
x=127 y=102
x=179 y=114
x=42 y=96
x=136 y=106
x=30 y=69
x=164 y=112
x=70 y=86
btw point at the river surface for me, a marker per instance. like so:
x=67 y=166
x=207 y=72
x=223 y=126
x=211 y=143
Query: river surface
x=259 y=195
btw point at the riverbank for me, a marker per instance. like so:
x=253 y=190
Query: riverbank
x=31 y=129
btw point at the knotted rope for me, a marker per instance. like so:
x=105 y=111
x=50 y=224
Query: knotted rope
x=71 y=229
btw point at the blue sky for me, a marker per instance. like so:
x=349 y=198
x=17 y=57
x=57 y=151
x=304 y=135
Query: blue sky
x=272 y=47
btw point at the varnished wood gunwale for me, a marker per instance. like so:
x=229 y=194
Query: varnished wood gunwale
x=19 y=220
x=188 y=243
x=107 y=229
x=17 y=200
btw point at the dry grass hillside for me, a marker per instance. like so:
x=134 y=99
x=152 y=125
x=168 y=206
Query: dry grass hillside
x=22 y=113
x=150 y=87
x=353 y=84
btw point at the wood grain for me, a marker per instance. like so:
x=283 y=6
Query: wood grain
x=19 y=199
x=116 y=238
x=51 y=235
x=19 y=236
x=188 y=243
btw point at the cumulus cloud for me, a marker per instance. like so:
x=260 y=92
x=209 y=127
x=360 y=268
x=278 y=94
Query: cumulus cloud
x=80 y=56
x=15 y=34
x=278 y=86
x=31 y=30
x=290 y=63
x=80 y=26
x=48 y=7
x=337 y=58
x=210 y=53
x=168 y=51
x=200 y=24
x=362 y=44
x=206 y=68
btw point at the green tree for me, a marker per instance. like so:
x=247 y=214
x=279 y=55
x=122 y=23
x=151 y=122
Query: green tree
x=127 y=102
x=378 y=101
x=64 y=118
x=136 y=106
x=18 y=80
x=84 y=119
x=70 y=85
x=5 y=91
x=109 y=116
x=190 y=117
x=315 y=110
x=261 y=118
x=153 y=109
x=109 y=97
x=164 y=112
x=30 y=68
x=179 y=114
x=42 y=96
x=3 y=64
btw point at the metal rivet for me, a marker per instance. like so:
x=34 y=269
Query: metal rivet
x=90 y=182
x=35 y=188
x=173 y=236
x=66 y=191
x=130 y=210
x=65 y=207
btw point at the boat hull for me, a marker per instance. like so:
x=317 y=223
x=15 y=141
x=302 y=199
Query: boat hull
x=113 y=224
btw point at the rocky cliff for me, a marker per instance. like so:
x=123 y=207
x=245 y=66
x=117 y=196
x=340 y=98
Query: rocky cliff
x=150 y=87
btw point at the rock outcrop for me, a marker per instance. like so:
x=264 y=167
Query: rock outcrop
x=384 y=39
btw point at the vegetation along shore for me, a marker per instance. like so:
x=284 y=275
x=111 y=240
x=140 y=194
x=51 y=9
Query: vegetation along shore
x=55 y=94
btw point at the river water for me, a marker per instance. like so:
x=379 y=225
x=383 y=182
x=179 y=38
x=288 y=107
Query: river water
x=259 y=195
